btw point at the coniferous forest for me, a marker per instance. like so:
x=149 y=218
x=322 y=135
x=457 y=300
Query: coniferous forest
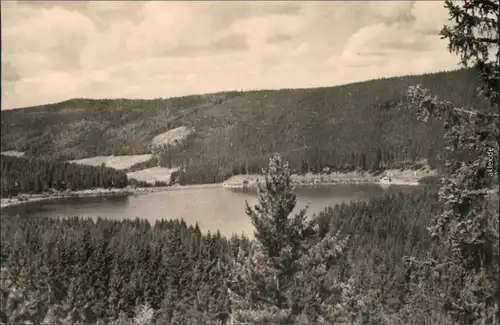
x=84 y=271
x=344 y=265
x=31 y=175
x=429 y=255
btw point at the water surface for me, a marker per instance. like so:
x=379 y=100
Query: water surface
x=212 y=208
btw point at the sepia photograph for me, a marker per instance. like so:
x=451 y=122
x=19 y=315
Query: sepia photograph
x=250 y=162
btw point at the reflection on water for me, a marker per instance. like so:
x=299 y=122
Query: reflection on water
x=212 y=208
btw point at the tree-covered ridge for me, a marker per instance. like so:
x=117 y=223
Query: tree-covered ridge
x=31 y=175
x=238 y=131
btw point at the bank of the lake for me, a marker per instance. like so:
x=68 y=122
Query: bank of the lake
x=212 y=207
x=398 y=177
x=55 y=195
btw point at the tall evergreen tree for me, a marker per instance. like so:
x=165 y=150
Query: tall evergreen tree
x=282 y=238
x=462 y=277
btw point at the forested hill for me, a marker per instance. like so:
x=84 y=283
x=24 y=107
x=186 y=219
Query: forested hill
x=352 y=125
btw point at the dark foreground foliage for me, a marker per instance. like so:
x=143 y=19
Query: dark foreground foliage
x=80 y=270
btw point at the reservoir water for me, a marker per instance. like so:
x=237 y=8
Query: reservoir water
x=212 y=208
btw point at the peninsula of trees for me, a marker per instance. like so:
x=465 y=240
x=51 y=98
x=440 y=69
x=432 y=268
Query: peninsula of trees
x=32 y=176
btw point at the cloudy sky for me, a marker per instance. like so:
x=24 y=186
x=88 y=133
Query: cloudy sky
x=53 y=51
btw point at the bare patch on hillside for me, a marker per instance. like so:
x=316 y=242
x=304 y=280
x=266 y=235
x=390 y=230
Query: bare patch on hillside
x=171 y=137
x=116 y=162
x=152 y=175
x=13 y=153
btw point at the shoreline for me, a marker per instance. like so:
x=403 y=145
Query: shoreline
x=126 y=191
x=336 y=182
x=407 y=178
x=399 y=177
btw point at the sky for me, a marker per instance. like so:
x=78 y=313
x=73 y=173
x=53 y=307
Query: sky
x=53 y=51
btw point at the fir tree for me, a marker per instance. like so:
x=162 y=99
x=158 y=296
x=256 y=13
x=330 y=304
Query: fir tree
x=282 y=238
x=474 y=37
x=462 y=277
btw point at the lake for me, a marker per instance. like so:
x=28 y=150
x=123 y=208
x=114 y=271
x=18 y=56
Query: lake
x=212 y=208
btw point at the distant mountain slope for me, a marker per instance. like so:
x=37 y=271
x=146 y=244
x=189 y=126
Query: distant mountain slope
x=352 y=125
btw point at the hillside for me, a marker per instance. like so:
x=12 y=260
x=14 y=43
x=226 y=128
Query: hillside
x=116 y=162
x=171 y=137
x=355 y=125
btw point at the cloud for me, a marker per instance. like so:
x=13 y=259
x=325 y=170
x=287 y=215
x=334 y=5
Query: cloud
x=222 y=44
x=9 y=78
x=46 y=39
x=278 y=38
x=107 y=47
x=383 y=41
x=258 y=31
x=430 y=16
x=9 y=73
x=406 y=39
x=57 y=50
x=392 y=12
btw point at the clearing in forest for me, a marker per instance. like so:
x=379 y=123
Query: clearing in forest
x=116 y=162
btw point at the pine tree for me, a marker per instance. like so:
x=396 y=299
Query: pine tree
x=474 y=37
x=281 y=239
x=461 y=278
x=319 y=282
x=143 y=315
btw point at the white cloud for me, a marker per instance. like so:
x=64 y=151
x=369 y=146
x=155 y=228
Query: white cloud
x=390 y=11
x=161 y=49
x=400 y=46
x=57 y=34
x=430 y=16
x=107 y=47
x=166 y=25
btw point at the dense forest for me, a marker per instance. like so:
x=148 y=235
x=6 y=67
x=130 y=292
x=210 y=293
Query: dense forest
x=343 y=265
x=83 y=271
x=237 y=132
x=424 y=255
x=32 y=175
